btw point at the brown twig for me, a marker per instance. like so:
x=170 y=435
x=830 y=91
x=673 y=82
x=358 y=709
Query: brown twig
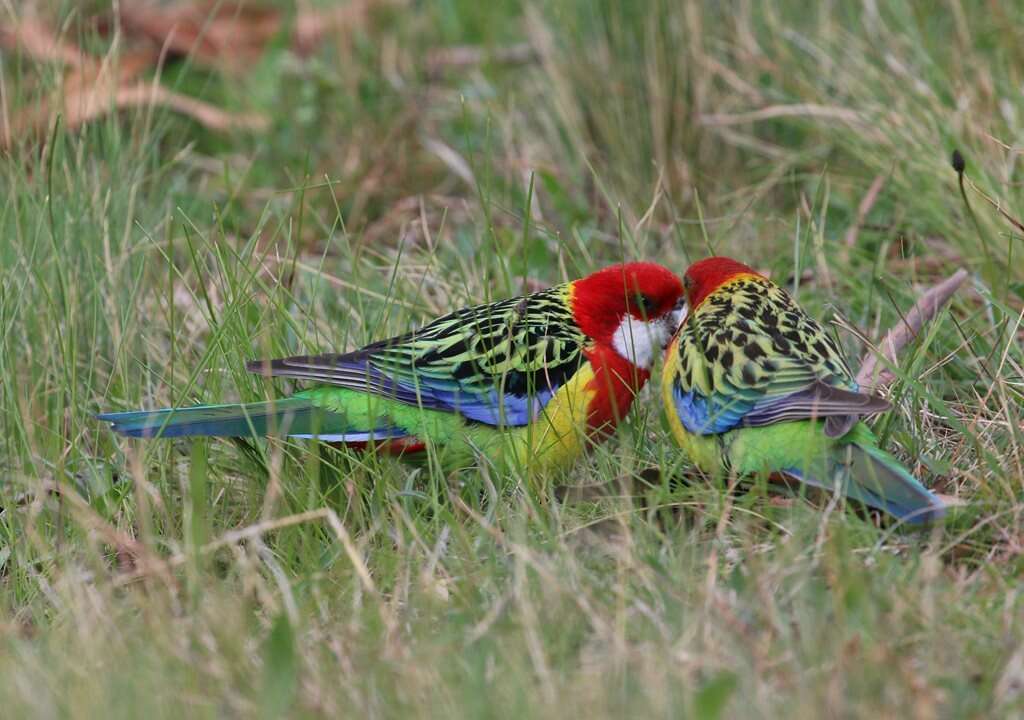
x=79 y=107
x=210 y=116
x=874 y=374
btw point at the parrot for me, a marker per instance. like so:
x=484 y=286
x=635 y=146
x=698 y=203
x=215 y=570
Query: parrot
x=534 y=380
x=752 y=384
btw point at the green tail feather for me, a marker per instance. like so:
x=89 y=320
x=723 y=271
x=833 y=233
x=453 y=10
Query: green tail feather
x=853 y=463
x=877 y=479
x=872 y=476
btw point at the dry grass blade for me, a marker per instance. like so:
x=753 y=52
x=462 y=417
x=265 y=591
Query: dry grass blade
x=228 y=539
x=995 y=204
x=951 y=500
x=773 y=112
x=866 y=203
x=874 y=374
x=312 y=27
x=144 y=560
x=455 y=162
x=463 y=56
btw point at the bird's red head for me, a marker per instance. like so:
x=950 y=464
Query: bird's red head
x=707 y=275
x=631 y=308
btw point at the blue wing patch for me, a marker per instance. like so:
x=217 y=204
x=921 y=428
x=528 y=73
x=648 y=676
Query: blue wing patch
x=492 y=408
x=703 y=417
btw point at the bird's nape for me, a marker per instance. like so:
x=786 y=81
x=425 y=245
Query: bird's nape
x=630 y=308
x=705 y=276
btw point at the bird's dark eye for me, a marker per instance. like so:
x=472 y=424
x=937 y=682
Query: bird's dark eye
x=645 y=304
x=687 y=282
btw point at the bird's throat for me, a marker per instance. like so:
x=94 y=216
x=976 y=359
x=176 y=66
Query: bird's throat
x=615 y=385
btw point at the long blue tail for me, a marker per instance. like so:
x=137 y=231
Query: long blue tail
x=296 y=417
x=875 y=478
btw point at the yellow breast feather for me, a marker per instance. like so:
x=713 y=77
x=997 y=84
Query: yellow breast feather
x=559 y=435
x=701 y=450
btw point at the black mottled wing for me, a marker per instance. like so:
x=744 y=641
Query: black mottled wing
x=750 y=356
x=497 y=363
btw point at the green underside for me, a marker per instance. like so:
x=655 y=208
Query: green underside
x=330 y=412
x=455 y=441
x=852 y=464
x=799 y=445
x=460 y=439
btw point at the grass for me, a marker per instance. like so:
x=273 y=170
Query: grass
x=144 y=258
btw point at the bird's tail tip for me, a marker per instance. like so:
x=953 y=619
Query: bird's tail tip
x=871 y=476
x=932 y=513
x=146 y=423
x=292 y=417
x=232 y=420
x=879 y=480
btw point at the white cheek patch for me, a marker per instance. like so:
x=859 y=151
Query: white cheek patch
x=638 y=341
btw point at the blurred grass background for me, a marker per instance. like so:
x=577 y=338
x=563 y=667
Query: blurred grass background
x=430 y=155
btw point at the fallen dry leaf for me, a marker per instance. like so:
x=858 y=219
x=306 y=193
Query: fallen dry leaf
x=226 y=35
x=94 y=87
x=78 y=108
x=230 y=35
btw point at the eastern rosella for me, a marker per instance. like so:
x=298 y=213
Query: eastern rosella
x=752 y=384
x=532 y=379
